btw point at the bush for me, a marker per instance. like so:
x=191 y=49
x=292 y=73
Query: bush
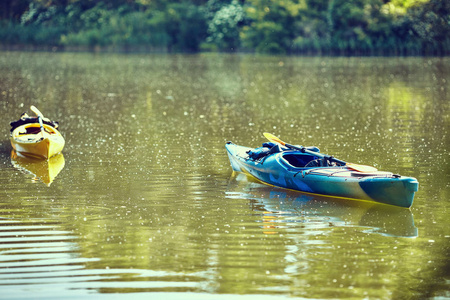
x=290 y=26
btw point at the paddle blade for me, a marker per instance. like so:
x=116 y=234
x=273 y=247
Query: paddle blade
x=273 y=138
x=360 y=168
x=36 y=111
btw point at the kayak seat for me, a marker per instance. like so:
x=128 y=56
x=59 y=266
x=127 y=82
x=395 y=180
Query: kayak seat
x=33 y=130
x=299 y=160
x=318 y=163
x=30 y=130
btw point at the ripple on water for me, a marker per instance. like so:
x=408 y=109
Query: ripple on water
x=41 y=252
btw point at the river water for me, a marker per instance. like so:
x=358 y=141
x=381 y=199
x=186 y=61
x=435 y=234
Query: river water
x=142 y=201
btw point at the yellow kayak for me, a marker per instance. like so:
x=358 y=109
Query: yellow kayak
x=31 y=136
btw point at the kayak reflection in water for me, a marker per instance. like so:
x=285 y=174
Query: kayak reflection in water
x=43 y=170
x=281 y=208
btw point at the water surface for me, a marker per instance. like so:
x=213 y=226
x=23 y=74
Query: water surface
x=143 y=199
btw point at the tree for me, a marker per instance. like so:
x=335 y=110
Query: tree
x=431 y=22
x=224 y=28
x=271 y=26
x=186 y=26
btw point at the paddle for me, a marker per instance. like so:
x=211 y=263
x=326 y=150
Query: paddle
x=40 y=118
x=41 y=125
x=44 y=119
x=36 y=111
x=356 y=167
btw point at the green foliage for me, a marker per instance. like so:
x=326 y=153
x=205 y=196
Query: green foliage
x=272 y=25
x=121 y=28
x=186 y=26
x=372 y=27
x=431 y=22
x=223 y=29
x=358 y=27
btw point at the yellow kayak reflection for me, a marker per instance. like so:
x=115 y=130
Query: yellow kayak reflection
x=43 y=170
x=281 y=208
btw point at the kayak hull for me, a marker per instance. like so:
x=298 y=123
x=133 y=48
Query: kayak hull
x=337 y=181
x=28 y=140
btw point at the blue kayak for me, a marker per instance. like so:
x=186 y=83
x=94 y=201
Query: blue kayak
x=308 y=170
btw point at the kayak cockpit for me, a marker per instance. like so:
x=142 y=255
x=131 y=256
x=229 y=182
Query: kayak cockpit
x=300 y=160
x=34 y=129
x=306 y=160
x=272 y=148
x=312 y=158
